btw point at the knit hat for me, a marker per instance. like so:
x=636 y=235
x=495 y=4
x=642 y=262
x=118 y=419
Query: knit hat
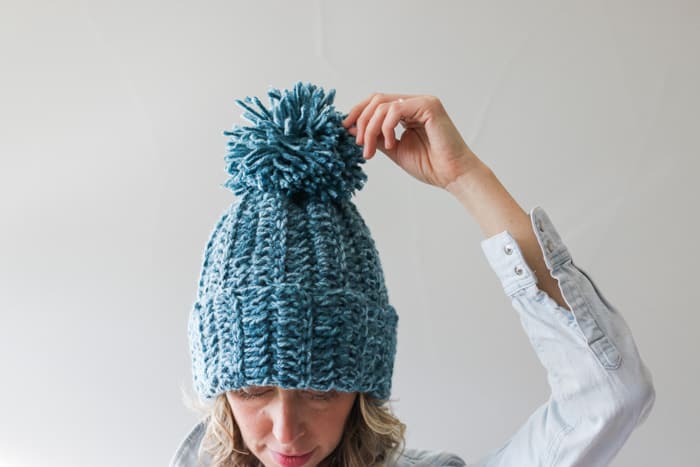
x=291 y=291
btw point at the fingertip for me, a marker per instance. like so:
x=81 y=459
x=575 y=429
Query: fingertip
x=347 y=121
x=388 y=143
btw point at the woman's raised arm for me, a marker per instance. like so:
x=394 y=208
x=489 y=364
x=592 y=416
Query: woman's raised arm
x=601 y=390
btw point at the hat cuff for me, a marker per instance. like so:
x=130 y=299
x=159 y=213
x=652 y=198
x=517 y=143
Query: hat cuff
x=288 y=336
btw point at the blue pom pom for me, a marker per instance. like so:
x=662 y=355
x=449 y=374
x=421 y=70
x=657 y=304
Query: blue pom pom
x=297 y=147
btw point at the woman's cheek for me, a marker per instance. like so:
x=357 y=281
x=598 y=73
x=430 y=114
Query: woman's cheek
x=250 y=417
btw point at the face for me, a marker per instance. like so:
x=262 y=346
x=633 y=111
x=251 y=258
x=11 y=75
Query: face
x=275 y=421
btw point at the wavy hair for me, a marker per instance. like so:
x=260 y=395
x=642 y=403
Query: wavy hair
x=371 y=438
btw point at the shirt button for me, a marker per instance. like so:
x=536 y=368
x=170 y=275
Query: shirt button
x=539 y=226
x=518 y=270
x=508 y=249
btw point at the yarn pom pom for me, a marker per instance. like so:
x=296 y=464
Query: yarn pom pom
x=298 y=146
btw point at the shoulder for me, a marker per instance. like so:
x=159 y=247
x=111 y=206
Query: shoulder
x=425 y=458
x=186 y=453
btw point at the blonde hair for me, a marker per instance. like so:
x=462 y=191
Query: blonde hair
x=372 y=435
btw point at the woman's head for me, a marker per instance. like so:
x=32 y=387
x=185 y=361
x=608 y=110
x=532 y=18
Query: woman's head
x=292 y=293
x=248 y=427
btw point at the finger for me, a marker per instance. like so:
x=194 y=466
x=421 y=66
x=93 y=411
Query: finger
x=356 y=111
x=388 y=135
x=381 y=145
x=365 y=116
x=374 y=126
x=368 y=110
x=393 y=117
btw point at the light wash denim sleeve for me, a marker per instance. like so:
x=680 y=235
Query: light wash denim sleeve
x=600 y=388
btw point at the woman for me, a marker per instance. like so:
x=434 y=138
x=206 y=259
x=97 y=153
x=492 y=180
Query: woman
x=293 y=337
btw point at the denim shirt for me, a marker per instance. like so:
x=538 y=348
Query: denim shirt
x=601 y=390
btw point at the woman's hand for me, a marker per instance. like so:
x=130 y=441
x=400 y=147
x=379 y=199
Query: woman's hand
x=430 y=149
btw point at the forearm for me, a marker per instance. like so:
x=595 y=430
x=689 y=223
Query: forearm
x=495 y=210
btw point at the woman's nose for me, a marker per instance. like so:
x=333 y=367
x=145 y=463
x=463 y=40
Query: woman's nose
x=287 y=420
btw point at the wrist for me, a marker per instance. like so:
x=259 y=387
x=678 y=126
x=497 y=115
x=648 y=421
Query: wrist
x=488 y=201
x=461 y=186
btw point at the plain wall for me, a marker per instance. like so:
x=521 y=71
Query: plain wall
x=111 y=165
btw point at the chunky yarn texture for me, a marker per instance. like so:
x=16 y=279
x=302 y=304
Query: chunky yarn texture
x=291 y=291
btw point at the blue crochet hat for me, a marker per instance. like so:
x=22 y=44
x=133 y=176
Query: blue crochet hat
x=291 y=291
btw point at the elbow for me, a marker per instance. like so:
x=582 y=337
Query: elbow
x=643 y=398
x=637 y=397
x=629 y=402
x=605 y=428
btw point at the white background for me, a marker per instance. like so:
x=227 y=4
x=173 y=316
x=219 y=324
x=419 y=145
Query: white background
x=111 y=164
